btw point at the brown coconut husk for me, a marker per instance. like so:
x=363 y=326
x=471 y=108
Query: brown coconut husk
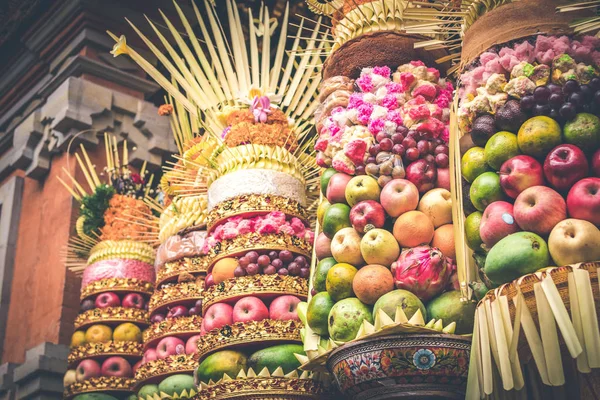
x=384 y=48
x=516 y=20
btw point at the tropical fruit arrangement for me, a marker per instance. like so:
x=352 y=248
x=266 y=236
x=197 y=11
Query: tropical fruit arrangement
x=387 y=240
x=114 y=256
x=531 y=156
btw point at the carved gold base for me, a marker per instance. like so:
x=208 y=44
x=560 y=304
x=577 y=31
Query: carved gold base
x=176 y=294
x=157 y=370
x=171 y=270
x=100 y=384
x=112 y=316
x=128 y=285
x=273 y=388
x=180 y=327
x=106 y=349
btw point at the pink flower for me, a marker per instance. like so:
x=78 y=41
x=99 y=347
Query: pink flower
x=427 y=90
x=355 y=100
x=417 y=63
x=382 y=71
x=434 y=72
x=561 y=45
x=309 y=236
x=395 y=117
x=230 y=233
x=419 y=112
x=266 y=227
x=297 y=225
x=246 y=226
x=393 y=88
x=337 y=109
x=286 y=229
x=376 y=126
x=406 y=80
x=390 y=102
x=365 y=83
x=364 y=113
x=525 y=52
x=260 y=108
x=446 y=135
x=321 y=144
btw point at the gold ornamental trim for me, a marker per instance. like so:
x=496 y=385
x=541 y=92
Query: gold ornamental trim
x=171 y=365
x=112 y=315
x=126 y=249
x=256 y=241
x=273 y=388
x=254 y=332
x=177 y=293
x=111 y=348
x=190 y=265
x=130 y=285
x=254 y=204
x=256 y=285
x=172 y=327
x=100 y=384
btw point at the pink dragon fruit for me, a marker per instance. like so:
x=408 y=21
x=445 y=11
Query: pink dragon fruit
x=422 y=270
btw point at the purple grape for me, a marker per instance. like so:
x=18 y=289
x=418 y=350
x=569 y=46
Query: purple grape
x=239 y=271
x=277 y=263
x=243 y=261
x=273 y=255
x=87 y=304
x=313 y=292
x=541 y=95
x=402 y=129
x=397 y=138
x=595 y=84
x=371 y=160
x=570 y=86
x=263 y=261
x=157 y=318
x=541 y=109
x=360 y=170
x=527 y=103
x=556 y=100
x=568 y=111
x=294 y=269
x=195 y=311
x=587 y=93
x=304 y=273
x=430 y=158
x=301 y=261
x=442 y=160
x=252 y=256
x=398 y=149
x=282 y=271
x=198 y=303
x=412 y=154
x=377 y=148
x=441 y=149
x=576 y=99
x=409 y=143
x=253 y=269
x=423 y=146
x=411 y=134
x=597 y=97
x=386 y=144
x=555 y=114
x=381 y=136
x=286 y=255
x=373 y=151
x=554 y=88
x=270 y=270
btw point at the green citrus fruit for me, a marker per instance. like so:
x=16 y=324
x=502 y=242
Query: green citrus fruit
x=485 y=190
x=318 y=311
x=336 y=217
x=327 y=174
x=583 y=132
x=339 y=281
x=539 y=135
x=323 y=206
x=321 y=271
x=502 y=146
x=472 y=223
x=473 y=163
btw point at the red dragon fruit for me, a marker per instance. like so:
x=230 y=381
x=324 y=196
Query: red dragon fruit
x=422 y=270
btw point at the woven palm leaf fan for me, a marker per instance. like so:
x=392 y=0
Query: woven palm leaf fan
x=220 y=76
x=584 y=25
x=324 y=7
x=112 y=206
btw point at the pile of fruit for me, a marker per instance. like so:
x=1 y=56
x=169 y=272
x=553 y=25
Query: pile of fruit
x=387 y=240
x=531 y=156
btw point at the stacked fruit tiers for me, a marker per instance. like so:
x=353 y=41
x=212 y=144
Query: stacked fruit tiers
x=530 y=145
x=106 y=347
x=253 y=167
x=386 y=250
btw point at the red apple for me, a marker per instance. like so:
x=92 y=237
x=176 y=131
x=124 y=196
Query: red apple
x=178 y=311
x=399 y=196
x=283 y=308
x=191 y=346
x=322 y=246
x=596 y=164
x=367 y=214
x=137 y=365
x=519 y=173
x=250 y=309
x=150 y=355
x=336 y=188
x=108 y=299
x=538 y=209
x=169 y=346
x=583 y=200
x=117 y=366
x=497 y=222
x=134 y=300
x=209 y=281
x=422 y=174
x=87 y=369
x=565 y=165
x=443 y=178
x=217 y=316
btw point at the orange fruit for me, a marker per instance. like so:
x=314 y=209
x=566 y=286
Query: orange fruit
x=223 y=269
x=371 y=282
x=413 y=228
x=443 y=239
